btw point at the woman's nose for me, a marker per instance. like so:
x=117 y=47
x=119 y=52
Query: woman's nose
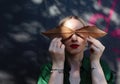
x=74 y=37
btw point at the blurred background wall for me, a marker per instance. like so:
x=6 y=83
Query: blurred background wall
x=23 y=50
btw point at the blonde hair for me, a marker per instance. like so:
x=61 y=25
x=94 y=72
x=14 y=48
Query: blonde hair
x=61 y=23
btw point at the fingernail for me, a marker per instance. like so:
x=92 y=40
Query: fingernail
x=90 y=37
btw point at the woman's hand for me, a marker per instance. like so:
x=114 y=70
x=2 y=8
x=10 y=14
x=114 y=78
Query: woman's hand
x=57 y=51
x=96 y=49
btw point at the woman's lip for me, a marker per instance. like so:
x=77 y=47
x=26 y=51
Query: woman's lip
x=74 y=46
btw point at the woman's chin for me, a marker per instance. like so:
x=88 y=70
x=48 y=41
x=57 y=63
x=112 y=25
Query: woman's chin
x=75 y=52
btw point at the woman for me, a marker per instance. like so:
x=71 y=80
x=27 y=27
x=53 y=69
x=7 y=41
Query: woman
x=69 y=65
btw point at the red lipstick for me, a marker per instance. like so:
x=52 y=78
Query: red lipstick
x=74 y=46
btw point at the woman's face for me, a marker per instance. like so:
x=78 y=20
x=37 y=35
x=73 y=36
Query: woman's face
x=75 y=44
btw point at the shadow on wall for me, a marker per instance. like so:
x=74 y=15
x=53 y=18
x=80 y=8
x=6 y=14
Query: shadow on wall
x=23 y=50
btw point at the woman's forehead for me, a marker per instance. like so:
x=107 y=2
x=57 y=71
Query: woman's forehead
x=74 y=24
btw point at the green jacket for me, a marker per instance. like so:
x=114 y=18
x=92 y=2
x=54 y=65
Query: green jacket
x=85 y=71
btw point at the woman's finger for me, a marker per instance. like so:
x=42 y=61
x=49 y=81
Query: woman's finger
x=94 y=41
x=55 y=44
x=58 y=43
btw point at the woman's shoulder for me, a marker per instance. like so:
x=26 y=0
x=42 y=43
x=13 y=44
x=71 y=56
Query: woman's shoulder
x=46 y=68
x=108 y=72
x=44 y=74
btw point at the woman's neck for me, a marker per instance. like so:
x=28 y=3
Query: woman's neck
x=75 y=60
